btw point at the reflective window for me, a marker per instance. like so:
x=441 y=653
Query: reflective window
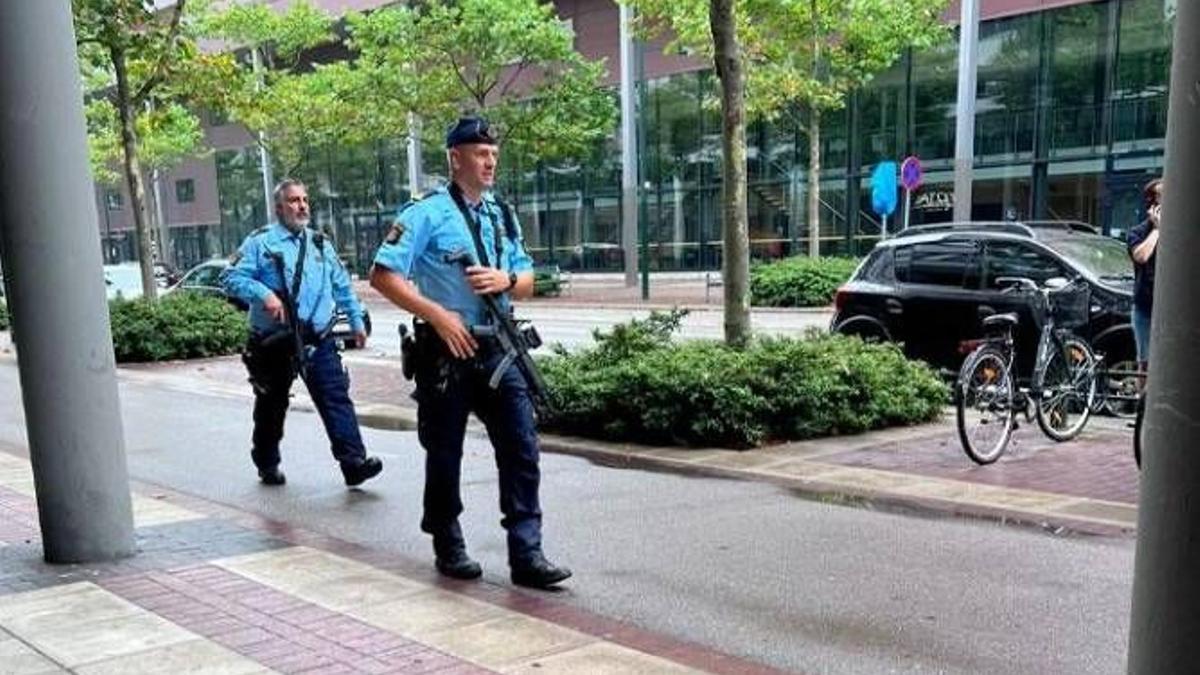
x=940 y=263
x=1014 y=259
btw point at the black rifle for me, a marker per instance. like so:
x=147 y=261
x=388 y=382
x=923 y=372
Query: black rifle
x=300 y=356
x=515 y=342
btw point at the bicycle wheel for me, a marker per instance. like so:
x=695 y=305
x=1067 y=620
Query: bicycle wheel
x=1065 y=390
x=1137 y=430
x=984 y=400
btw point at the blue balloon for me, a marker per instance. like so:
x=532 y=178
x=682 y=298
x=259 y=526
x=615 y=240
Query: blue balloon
x=884 y=189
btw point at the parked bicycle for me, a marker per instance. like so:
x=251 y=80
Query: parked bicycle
x=1062 y=390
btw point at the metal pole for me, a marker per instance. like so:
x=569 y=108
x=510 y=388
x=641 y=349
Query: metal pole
x=629 y=148
x=964 y=138
x=65 y=354
x=907 y=208
x=415 y=176
x=264 y=158
x=1165 y=627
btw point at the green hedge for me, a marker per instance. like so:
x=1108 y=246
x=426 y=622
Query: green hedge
x=177 y=326
x=639 y=386
x=5 y=324
x=798 y=282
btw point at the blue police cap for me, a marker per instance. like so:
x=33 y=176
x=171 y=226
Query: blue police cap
x=470 y=130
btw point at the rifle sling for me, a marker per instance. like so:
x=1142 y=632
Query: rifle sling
x=476 y=229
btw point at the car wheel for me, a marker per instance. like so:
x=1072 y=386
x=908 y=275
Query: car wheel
x=1118 y=388
x=867 y=329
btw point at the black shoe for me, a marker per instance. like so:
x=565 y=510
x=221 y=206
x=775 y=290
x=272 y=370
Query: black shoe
x=356 y=474
x=456 y=564
x=272 y=476
x=539 y=573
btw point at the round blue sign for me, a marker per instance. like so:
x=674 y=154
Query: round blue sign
x=910 y=174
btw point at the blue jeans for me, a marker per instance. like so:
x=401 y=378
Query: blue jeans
x=448 y=390
x=328 y=385
x=1141 y=333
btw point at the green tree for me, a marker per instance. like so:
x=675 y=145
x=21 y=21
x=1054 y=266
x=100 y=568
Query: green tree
x=135 y=62
x=289 y=103
x=511 y=60
x=805 y=55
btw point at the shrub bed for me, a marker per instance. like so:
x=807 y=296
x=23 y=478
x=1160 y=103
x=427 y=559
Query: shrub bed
x=177 y=326
x=637 y=385
x=4 y=321
x=799 y=281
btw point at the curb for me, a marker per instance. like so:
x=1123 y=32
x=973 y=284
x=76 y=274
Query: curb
x=811 y=478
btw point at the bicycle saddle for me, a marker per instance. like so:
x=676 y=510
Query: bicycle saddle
x=995 y=320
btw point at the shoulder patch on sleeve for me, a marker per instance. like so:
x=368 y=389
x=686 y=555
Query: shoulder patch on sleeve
x=396 y=231
x=235 y=258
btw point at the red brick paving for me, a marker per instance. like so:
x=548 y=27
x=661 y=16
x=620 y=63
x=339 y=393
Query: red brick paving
x=274 y=628
x=1098 y=464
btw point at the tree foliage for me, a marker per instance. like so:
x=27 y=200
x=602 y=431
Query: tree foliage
x=136 y=63
x=804 y=56
x=511 y=60
x=272 y=88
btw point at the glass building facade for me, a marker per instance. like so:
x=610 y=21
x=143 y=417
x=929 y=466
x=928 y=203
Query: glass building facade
x=1071 y=117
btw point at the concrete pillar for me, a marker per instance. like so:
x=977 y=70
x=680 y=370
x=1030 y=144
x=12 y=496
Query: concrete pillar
x=1165 y=627
x=964 y=137
x=48 y=213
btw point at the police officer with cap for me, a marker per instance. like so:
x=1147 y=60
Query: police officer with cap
x=315 y=284
x=412 y=270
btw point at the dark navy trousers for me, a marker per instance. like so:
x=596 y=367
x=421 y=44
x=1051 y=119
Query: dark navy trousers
x=328 y=385
x=448 y=391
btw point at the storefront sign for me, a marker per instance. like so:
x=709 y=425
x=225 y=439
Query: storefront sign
x=934 y=200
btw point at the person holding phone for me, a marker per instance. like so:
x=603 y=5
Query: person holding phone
x=1142 y=242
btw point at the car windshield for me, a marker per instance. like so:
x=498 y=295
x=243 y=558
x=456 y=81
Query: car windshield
x=1103 y=257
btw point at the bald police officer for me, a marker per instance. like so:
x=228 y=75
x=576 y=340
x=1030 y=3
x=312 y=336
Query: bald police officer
x=317 y=283
x=454 y=366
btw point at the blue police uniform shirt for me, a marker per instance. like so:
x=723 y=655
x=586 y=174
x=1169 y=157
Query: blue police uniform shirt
x=325 y=285
x=432 y=228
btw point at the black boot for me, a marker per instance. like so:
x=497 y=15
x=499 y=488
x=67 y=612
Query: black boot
x=271 y=476
x=537 y=572
x=456 y=564
x=357 y=474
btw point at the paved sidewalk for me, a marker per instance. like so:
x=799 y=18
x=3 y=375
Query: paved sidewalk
x=218 y=591
x=1088 y=485
x=683 y=289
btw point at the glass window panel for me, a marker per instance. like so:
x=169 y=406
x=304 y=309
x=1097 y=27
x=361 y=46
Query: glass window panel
x=1143 y=72
x=934 y=88
x=941 y=263
x=1013 y=259
x=1008 y=68
x=1077 y=77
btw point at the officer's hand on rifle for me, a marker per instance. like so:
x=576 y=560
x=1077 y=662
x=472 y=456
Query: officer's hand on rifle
x=274 y=307
x=487 y=280
x=451 y=330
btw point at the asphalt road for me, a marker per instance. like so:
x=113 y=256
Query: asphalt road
x=572 y=326
x=746 y=568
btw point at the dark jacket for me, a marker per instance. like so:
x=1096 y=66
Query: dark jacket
x=1143 y=273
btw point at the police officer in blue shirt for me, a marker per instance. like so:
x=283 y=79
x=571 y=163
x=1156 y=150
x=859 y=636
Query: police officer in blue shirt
x=453 y=366
x=316 y=284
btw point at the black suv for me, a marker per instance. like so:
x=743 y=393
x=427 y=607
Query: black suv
x=929 y=287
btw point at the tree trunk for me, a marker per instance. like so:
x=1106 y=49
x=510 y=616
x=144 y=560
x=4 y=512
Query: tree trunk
x=736 y=258
x=814 y=183
x=133 y=174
